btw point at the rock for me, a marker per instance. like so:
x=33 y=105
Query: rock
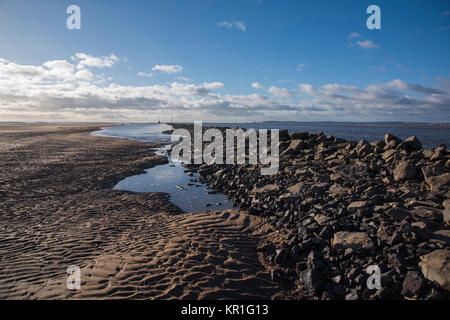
x=404 y=171
x=438 y=154
x=398 y=214
x=311 y=282
x=383 y=294
x=411 y=144
x=294 y=147
x=276 y=275
x=427 y=213
x=432 y=170
x=441 y=236
x=295 y=253
x=321 y=219
x=435 y=266
x=283 y=135
x=391 y=140
x=353 y=295
x=282 y=257
x=357 y=205
x=300 y=135
x=412 y=285
x=439 y=182
x=266 y=188
x=386 y=155
x=354 y=240
x=446 y=214
x=446 y=204
x=296 y=188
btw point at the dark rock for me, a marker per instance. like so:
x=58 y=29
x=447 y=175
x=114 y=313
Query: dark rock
x=282 y=257
x=276 y=275
x=391 y=140
x=300 y=135
x=412 y=284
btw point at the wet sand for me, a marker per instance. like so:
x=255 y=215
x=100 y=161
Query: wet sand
x=57 y=209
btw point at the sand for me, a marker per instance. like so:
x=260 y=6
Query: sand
x=57 y=209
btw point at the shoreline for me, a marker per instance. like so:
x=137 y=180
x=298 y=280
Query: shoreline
x=58 y=211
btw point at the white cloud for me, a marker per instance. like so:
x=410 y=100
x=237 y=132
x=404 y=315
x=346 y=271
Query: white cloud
x=367 y=44
x=236 y=24
x=301 y=66
x=58 y=91
x=213 y=85
x=145 y=74
x=184 y=78
x=354 y=35
x=280 y=92
x=85 y=60
x=257 y=85
x=168 y=68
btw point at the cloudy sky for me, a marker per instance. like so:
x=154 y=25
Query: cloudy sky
x=224 y=61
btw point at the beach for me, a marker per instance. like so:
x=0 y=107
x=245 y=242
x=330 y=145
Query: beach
x=58 y=210
x=334 y=210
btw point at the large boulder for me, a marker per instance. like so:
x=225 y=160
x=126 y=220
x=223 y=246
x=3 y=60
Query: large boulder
x=435 y=266
x=404 y=171
x=354 y=240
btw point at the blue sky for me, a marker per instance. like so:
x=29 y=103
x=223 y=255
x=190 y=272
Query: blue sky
x=234 y=60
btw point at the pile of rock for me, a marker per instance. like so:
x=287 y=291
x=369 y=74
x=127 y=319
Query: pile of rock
x=348 y=206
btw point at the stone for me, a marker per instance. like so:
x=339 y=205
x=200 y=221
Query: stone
x=296 y=188
x=321 y=219
x=386 y=155
x=294 y=147
x=398 y=214
x=266 y=188
x=391 y=139
x=357 y=205
x=435 y=266
x=446 y=215
x=300 y=135
x=276 y=275
x=439 y=182
x=441 y=236
x=282 y=257
x=353 y=295
x=427 y=213
x=432 y=170
x=354 y=240
x=446 y=204
x=404 y=171
x=412 y=144
x=412 y=284
x=295 y=253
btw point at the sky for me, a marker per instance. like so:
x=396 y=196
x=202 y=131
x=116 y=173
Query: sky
x=225 y=61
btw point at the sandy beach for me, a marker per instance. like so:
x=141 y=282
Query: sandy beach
x=58 y=209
